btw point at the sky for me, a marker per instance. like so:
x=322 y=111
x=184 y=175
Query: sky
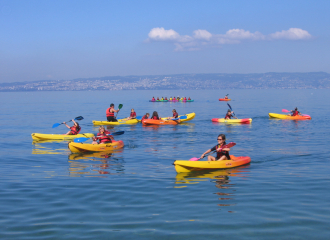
x=64 y=40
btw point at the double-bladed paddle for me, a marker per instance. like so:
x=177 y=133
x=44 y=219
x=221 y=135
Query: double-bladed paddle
x=231 y=109
x=83 y=139
x=58 y=124
x=229 y=145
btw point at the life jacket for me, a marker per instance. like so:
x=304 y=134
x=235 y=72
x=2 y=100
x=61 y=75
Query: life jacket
x=221 y=153
x=295 y=113
x=133 y=114
x=153 y=99
x=185 y=98
x=144 y=117
x=103 y=138
x=75 y=130
x=226 y=97
x=170 y=98
x=158 y=98
x=175 y=115
x=155 y=118
x=109 y=114
x=166 y=98
x=189 y=99
x=227 y=116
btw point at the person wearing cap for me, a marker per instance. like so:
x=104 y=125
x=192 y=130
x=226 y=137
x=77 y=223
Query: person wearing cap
x=230 y=115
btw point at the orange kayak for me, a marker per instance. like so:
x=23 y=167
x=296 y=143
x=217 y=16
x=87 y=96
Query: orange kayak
x=224 y=99
x=159 y=122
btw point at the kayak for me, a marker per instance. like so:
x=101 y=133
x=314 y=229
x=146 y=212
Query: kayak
x=190 y=116
x=120 y=122
x=224 y=99
x=158 y=101
x=41 y=136
x=288 y=117
x=188 y=166
x=88 y=147
x=222 y=120
x=159 y=122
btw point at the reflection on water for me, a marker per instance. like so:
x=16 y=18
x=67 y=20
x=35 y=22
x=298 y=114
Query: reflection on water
x=219 y=177
x=94 y=164
x=40 y=148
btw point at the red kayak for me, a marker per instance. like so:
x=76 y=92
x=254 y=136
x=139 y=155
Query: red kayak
x=224 y=99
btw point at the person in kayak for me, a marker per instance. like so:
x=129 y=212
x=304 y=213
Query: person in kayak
x=175 y=115
x=222 y=153
x=226 y=97
x=157 y=98
x=145 y=116
x=132 y=115
x=185 y=99
x=189 y=98
x=229 y=114
x=155 y=116
x=295 y=112
x=165 y=98
x=110 y=113
x=102 y=136
x=74 y=130
x=153 y=99
x=170 y=98
x=162 y=99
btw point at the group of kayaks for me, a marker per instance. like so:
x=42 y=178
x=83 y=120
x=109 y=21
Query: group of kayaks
x=171 y=100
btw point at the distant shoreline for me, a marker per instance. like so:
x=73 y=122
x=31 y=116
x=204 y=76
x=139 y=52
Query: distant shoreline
x=312 y=80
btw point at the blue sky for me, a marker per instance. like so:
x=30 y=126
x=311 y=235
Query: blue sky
x=44 y=40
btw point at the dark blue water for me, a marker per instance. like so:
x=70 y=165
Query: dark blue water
x=135 y=193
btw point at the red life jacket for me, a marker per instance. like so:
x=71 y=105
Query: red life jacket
x=165 y=98
x=103 y=138
x=144 y=117
x=295 y=113
x=155 y=118
x=189 y=99
x=75 y=130
x=153 y=99
x=175 y=115
x=133 y=114
x=110 y=114
x=226 y=97
x=221 y=153
x=227 y=116
x=185 y=98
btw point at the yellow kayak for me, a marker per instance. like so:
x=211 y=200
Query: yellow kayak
x=88 y=147
x=190 y=116
x=222 y=120
x=188 y=166
x=120 y=122
x=288 y=117
x=41 y=136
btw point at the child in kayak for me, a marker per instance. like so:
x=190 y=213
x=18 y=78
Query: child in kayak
x=153 y=99
x=74 y=130
x=102 y=136
x=155 y=116
x=110 y=113
x=226 y=97
x=145 y=116
x=175 y=115
x=132 y=115
x=295 y=112
x=229 y=114
x=222 y=153
x=189 y=98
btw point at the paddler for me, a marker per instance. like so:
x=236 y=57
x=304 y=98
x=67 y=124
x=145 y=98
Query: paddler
x=295 y=112
x=102 y=136
x=175 y=115
x=157 y=98
x=132 y=115
x=178 y=98
x=153 y=99
x=185 y=99
x=189 y=98
x=229 y=114
x=226 y=97
x=145 y=116
x=155 y=116
x=110 y=113
x=165 y=98
x=222 y=153
x=162 y=99
x=74 y=130
x=170 y=98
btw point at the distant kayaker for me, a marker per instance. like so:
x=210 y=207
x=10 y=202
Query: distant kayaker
x=170 y=98
x=229 y=114
x=132 y=115
x=153 y=99
x=110 y=113
x=295 y=112
x=226 y=97
x=175 y=115
x=74 y=130
x=222 y=153
x=155 y=116
x=145 y=116
x=185 y=99
x=189 y=98
x=157 y=98
x=102 y=136
x=165 y=98
x=162 y=99
x=178 y=98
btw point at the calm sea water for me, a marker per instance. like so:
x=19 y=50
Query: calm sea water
x=135 y=193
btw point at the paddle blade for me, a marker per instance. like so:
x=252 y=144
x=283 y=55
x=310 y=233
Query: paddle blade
x=79 y=118
x=139 y=117
x=120 y=106
x=194 y=159
x=286 y=111
x=229 y=145
x=79 y=140
x=183 y=117
x=56 y=125
x=118 y=133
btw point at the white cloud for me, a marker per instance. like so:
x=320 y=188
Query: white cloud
x=291 y=34
x=202 y=38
